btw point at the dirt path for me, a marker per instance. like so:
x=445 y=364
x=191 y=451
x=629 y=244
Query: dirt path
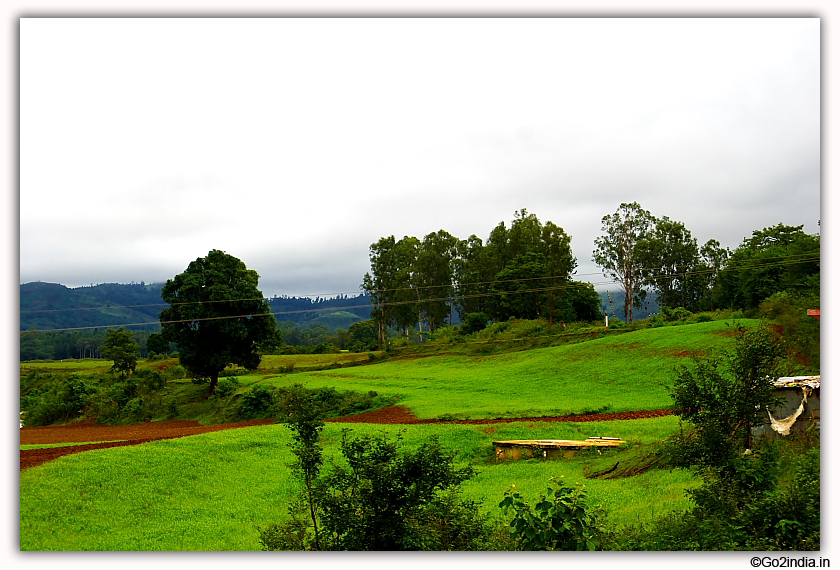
x=142 y=433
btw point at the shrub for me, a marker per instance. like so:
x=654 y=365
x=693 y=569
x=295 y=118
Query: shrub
x=560 y=521
x=226 y=386
x=384 y=499
x=256 y=402
x=474 y=322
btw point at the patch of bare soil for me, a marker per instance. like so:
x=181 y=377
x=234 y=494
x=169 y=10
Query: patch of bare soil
x=402 y=415
x=115 y=436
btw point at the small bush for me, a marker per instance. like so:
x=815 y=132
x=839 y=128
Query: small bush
x=256 y=402
x=226 y=386
x=562 y=520
x=474 y=322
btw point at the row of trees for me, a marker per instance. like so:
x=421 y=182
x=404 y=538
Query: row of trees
x=524 y=271
x=645 y=254
x=58 y=345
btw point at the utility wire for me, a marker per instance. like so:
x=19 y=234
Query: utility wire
x=418 y=301
x=742 y=264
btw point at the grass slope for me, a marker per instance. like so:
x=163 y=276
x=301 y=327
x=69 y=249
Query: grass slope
x=617 y=373
x=212 y=491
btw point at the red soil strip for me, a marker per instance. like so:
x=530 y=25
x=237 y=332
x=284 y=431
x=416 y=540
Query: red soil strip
x=402 y=415
x=117 y=436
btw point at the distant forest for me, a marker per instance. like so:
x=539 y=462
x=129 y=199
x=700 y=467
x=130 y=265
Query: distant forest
x=521 y=272
x=45 y=307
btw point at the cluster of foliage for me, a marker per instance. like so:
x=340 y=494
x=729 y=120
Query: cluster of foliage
x=753 y=497
x=113 y=398
x=521 y=272
x=262 y=401
x=644 y=253
x=60 y=345
x=790 y=310
x=120 y=347
x=217 y=316
x=770 y=501
x=775 y=259
x=317 y=338
x=380 y=498
x=560 y=520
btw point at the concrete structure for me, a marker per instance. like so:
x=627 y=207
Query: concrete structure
x=799 y=408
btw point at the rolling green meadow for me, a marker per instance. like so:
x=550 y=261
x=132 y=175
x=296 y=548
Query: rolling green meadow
x=214 y=491
x=625 y=372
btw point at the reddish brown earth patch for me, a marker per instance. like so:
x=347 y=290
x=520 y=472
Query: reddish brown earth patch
x=116 y=436
x=402 y=415
x=728 y=332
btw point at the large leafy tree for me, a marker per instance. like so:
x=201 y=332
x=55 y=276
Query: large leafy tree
x=520 y=291
x=778 y=258
x=670 y=258
x=217 y=316
x=618 y=253
x=473 y=274
x=533 y=264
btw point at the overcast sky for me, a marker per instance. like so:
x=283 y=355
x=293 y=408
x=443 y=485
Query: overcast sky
x=293 y=144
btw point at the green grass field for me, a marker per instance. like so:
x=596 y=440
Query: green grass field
x=212 y=491
x=616 y=373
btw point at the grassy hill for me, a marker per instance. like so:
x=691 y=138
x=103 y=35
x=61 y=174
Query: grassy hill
x=213 y=491
x=618 y=373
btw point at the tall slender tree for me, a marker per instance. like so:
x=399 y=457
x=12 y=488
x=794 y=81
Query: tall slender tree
x=617 y=251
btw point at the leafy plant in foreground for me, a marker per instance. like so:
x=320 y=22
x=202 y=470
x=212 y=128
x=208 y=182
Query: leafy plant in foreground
x=382 y=499
x=562 y=520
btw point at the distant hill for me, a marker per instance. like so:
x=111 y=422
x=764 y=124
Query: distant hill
x=46 y=306
x=54 y=306
x=616 y=310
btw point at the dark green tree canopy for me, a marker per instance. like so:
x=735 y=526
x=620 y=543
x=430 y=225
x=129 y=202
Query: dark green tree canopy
x=217 y=316
x=119 y=345
x=778 y=258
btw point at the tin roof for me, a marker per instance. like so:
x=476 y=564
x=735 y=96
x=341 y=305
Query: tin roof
x=797 y=382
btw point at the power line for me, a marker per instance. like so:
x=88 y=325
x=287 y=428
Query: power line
x=743 y=264
x=380 y=305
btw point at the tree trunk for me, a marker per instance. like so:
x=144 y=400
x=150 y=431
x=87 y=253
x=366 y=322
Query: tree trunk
x=214 y=379
x=628 y=303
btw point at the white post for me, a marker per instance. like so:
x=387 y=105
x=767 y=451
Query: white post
x=606 y=321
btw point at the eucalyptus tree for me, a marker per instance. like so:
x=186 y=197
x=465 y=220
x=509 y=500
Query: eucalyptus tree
x=434 y=277
x=618 y=254
x=389 y=284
